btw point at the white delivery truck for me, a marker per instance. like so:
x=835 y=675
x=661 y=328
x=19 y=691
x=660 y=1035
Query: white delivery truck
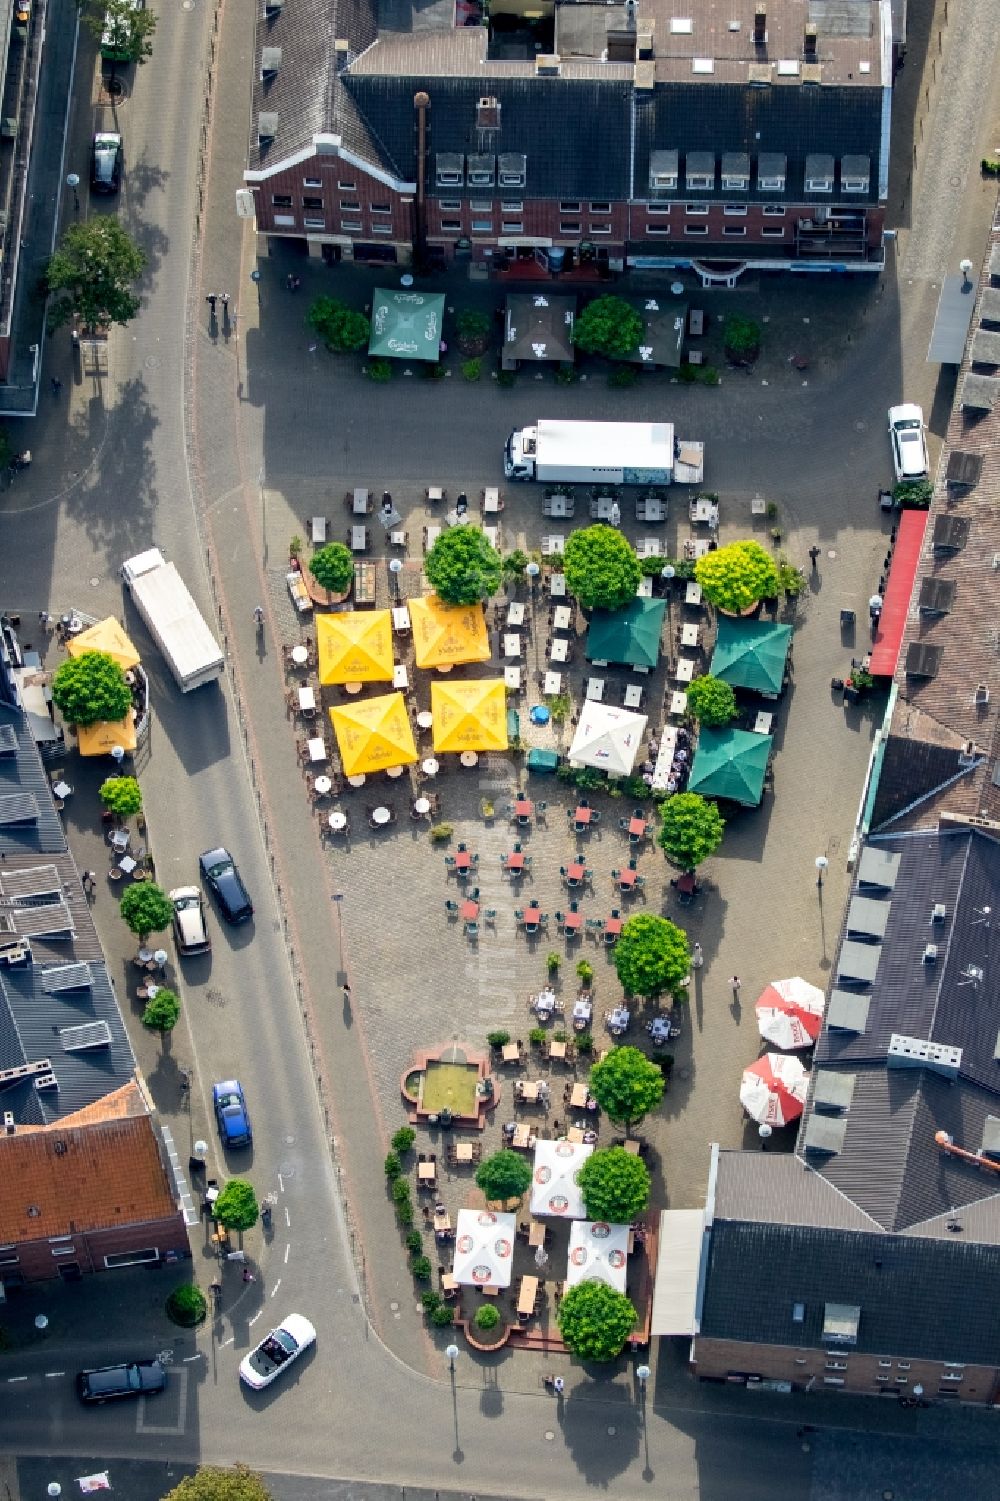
x=174 y=620
x=613 y=453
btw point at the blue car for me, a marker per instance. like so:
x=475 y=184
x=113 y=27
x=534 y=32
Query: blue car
x=232 y=1114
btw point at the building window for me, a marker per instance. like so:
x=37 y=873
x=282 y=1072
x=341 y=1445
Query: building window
x=569 y=208
x=570 y=228
x=480 y=179
x=836 y=1365
x=482 y=207
x=312 y=182
x=771 y=184
x=381 y=229
x=347 y=207
x=774 y=211
x=696 y=208
x=511 y=228
x=600 y=208
x=313 y=203
x=482 y=226
x=946 y=1375
x=770 y=233
x=696 y=229
x=450 y=205
x=950 y=1365
x=70 y=1250
x=798 y=1313
x=657 y=208
x=665 y=182
x=381 y=208
x=735 y=184
x=902 y=1365
x=833 y=1380
x=449 y=178
x=131 y=1258
x=10 y=1260
x=735 y=210
x=885 y=1365
x=282 y=200
x=348 y=187
x=351 y=226
x=314 y=223
x=451 y=225
x=512 y=179
x=600 y=229
x=700 y=180
x=512 y=207
x=284 y=221
x=734 y=231
x=854 y=184
x=657 y=229
x=819 y=184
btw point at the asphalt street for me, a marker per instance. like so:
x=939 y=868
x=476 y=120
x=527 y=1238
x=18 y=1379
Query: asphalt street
x=132 y=463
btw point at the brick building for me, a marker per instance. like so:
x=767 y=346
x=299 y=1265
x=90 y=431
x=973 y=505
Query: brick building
x=575 y=133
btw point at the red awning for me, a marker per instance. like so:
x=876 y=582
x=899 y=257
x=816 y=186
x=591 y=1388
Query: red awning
x=896 y=601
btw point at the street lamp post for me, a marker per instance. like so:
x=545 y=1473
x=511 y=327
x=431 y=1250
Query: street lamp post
x=642 y=1375
x=966 y=269
x=821 y=865
x=452 y=1353
x=73 y=181
x=395 y=568
x=764 y=1132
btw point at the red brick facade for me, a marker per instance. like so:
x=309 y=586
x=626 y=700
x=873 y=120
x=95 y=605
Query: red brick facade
x=86 y=1251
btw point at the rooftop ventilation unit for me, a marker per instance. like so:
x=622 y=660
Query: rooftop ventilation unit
x=930 y=953
x=8 y=1122
x=917 y=1052
x=89 y=1035
x=982 y=693
x=967 y=755
x=267 y=126
x=939 y=912
x=760 y=25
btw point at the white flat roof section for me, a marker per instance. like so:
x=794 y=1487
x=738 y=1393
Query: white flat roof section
x=678 y=1268
x=607 y=445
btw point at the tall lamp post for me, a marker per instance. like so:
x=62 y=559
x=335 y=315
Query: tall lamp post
x=821 y=865
x=73 y=181
x=452 y=1353
x=395 y=568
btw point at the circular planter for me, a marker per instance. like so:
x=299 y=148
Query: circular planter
x=411 y=1086
x=487 y=1339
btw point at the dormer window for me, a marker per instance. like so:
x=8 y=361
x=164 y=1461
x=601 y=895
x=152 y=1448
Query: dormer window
x=735 y=172
x=663 y=166
x=771 y=172
x=513 y=169
x=855 y=174
x=819 y=174
x=481 y=171
x=699 y=171
x=450 y=169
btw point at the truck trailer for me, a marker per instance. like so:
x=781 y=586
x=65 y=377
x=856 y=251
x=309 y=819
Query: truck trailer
x=613 y=453
x=174 y=620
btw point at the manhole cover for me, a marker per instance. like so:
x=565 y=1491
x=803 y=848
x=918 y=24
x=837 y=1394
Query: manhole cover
x=860 y=426
x=549 y=1435
x=831 y=552
x=152 y=362
x=394 y=1307
x=955 y=180
x=95 y=581
x=612 y=1430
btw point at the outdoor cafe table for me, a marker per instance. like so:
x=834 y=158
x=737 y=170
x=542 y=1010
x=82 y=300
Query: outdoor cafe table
x=300 y=655
x=619 y=1018
x=512 y=677
x=528 y=1089
x=664 y=759
x=523 y=807
x=659 y=1029
x=425 y=719
x=435 y=492
x=394 y=771
x=515 y=613
x=359 y=539
x=690 y=634
x=511 y=645
x=442 y=1219
x=422 y=805
x=644 y=590
x=307 y=699
x=426 y=1172
x=582 y=1009
x=762 y=724
x=595 y=689
x=613 y=926
x=511 y=1053
x=463 y=859
x=557 y=1050
x=522 y=1137
x=397 y=538
x=559 y=651
x=381 y=815
x=627 y=877
x=560 y=507
x=359 y=502
x=632 y=1146
x=552 y=683
x=491 y=501
x=575 y=1134
x=633 y=696
x=399 y=676
x=685 y=669
x=527 y=1293
x=532 y=918
x=322 y=786
x=692 y=594
x=544 y=1003
x=400 y=618
x=557 y=585
x=582 y=814
x=578 y=1097
x=317 y=748
x=463 y=1151
x=575 y=873
x=637 y=827
x=648 y=547
x=430 y=767
x=469 y=758
x=469 y=911
x=537 y=1233
x=515 y=860
x=678 y=702
x=562 y=617
x=353 y=688
x=358 y=779
x=337 y=822
x=572 y=921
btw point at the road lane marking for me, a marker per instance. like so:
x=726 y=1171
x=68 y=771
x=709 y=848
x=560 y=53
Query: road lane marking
x=178 y=1378
x=189 y=1358
x=50 y=1374
x=288 y=1252
x=274 y=1289
x=228 y=1341
x=256 y=1317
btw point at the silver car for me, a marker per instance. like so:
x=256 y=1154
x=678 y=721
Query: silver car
x=190 y=928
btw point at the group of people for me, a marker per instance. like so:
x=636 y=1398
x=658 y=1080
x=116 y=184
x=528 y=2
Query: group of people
x=680 y=766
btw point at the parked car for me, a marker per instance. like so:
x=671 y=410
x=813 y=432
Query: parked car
x=276 y=1351
x=909 y=447
x=190 y=930
x=134 y=1378
x=219 y=871
x=232 y=1114
x=106 y=162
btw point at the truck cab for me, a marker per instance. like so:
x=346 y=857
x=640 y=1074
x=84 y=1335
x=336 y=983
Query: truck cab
x=519 y=455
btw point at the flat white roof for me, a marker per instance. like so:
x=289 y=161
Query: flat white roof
x=608 y=445
x=678 y=1266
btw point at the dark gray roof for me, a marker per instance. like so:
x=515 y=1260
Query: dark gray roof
x=775 y=1187
x=539 y=326
x=918 y=1298
x=23 y=774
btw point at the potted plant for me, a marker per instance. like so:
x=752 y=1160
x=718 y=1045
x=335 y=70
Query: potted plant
x=486 y=1329
x=552 y=963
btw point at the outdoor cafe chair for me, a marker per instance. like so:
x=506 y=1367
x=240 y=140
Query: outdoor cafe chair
x=450 y=906
x=489 y=914
x=449 y=861
x=595 y=924
x=472 y=929
x=519 y=914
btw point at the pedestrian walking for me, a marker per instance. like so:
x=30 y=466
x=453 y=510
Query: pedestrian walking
x=736 y=983
x=697 y=957
x=247 y=1274
x=88 y=879
x=813 y=556
x=44 y=618
x=56 y=385
x=346 y=987
x=224 y=299
x=211 y=300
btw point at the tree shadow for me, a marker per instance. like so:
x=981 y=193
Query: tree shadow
x=115 y=500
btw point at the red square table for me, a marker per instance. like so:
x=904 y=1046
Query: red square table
x=582 y=815
x=469 y=911
x=637 y=827
x=572 y=921
x=627 y=877
x=575 y=873
x=613 y=926
x=523 y=808
x=532 y=917
x=463 y=860
x=515 y=860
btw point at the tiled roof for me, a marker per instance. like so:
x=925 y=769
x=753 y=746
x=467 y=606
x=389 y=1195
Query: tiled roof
x=918 y=1298
x=73 y=1177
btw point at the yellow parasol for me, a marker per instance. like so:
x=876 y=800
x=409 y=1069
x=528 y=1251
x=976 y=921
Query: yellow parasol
x=444 y=635
x=98 y=739
x=470 y=715
x=106 y=636
x=374 y=733
x=355 y=646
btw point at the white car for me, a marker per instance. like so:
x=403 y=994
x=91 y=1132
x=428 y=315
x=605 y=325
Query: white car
x=909 y=449
x=190 y=929
x=276 y=1351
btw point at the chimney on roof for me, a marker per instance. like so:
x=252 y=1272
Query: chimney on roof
x=8 y=1123
x=547 y=65
x=488 y=113
x=760 y=25
x=341 y=53
x=810 y=40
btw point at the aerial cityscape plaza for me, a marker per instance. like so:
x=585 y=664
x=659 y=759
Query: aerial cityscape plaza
x=499 y=749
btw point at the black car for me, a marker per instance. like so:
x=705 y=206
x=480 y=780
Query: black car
x=106 y=162
x=219 y=871
x=135 y=1378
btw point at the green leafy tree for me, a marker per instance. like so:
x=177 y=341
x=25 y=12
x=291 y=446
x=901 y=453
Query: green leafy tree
x=615 y=1186
x=162 y=1011
x=610 y=326
x=333 y=567
x=651 y=955
x=791 y=580
x=601 y=568
x=486 y=1317
x=92 y=274
x=146 y=908
x=738 y=576
x=504 y=1176
x=121 y=795
x=341 y=328
x=91 y=689
x=212 y=1483
x=462 y=567
x=236 y=1207
x=626 y=1085
x=187 y=1305
x=692 y=829
x=711 y=701
x=595 y=1320
x=473 y=328
x=125 y=31
x=741 y=338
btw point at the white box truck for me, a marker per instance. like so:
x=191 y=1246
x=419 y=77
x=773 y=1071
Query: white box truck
x=613 y=453
x=174 y=620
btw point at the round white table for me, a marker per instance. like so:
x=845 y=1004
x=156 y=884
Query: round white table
x=381 y=815
x=422 y=805
x=394 y=771
x=469 y=758
x=353 y=688
x=356 y=781
x=429 y=767
x=447 y=667
x=323 y=785
x=337 y=821
x=300 y=655
x=425 y=719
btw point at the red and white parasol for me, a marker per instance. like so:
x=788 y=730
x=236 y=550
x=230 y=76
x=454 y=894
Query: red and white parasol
x=773 y=1090
x=790 y=1013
